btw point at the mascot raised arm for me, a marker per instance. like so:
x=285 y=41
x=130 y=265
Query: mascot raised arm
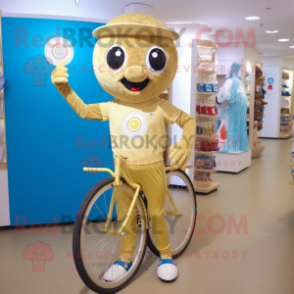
x=135 y=70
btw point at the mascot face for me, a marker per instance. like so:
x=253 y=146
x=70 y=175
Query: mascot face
x=135 y=69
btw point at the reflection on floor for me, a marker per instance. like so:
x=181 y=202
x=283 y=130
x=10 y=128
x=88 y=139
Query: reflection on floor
x=244 y=241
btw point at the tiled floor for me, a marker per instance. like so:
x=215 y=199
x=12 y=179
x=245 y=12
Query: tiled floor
x=258 y=259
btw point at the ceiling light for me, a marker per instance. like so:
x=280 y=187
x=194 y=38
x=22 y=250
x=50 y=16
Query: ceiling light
x=283 y=40
x=252 y=18
x=292 y=47
x=272 y=32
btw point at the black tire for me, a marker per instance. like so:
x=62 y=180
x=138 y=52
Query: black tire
x=150 y=243
x=77 y=245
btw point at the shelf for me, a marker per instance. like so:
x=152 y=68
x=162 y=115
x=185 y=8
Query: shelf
x=287 y=135
x=206 y=136
x=203 y=170
x=205 y=152
x=285 y=114
x=205 y=187
x=206 y=116
x=207 y=93
x=206 y=71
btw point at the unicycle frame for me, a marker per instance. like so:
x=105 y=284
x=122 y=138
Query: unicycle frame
x=117 y=182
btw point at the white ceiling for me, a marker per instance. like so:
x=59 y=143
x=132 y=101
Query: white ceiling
x=216 y=13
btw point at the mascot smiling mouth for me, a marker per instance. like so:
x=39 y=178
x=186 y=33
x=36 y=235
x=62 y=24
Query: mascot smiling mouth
x=135 y=87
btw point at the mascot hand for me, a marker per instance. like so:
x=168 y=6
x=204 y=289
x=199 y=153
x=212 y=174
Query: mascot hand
x=180 y=153
x=59 y=75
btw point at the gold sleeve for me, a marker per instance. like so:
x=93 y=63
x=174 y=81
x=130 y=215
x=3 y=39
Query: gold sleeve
x=91 y=111
x=188 y=124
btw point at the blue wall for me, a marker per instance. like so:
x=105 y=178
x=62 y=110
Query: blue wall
x=45 y=174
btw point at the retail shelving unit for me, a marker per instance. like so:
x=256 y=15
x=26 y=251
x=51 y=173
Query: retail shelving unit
x=274 y=118
x=256 y=150
x=3 y=156
x=286 y=110
x=250 y=93
x=205 y=72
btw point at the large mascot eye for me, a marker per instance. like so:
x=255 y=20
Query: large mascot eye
x=156 y=60
x=116 y=57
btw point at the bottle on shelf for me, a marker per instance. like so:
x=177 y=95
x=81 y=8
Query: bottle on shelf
x=206 y=145
x=199 y=84
x=215 y=86
x=204 y=162
x=202 y=107
x=206 y=85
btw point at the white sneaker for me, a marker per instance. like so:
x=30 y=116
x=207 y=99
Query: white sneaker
x=116 y=271
x=167 y=270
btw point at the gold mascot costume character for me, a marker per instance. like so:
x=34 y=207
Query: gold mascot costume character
x=135 y=70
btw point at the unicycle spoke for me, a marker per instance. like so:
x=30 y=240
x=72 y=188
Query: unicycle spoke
x=100 y=211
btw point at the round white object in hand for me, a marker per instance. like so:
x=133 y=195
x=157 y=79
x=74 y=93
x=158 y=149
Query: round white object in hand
x=59 y=49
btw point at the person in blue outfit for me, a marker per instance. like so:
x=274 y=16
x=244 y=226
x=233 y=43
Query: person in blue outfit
x=232 y=113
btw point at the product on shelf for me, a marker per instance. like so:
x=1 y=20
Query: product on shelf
x=285 y=75
x=285 y=85
x=206 y=58
x=259 y=98
x=204 y=162
x=248 y=78
x=206 y=107
x=205 y=127
x=202 y=177
x=286 y=93
x=207 y=85
x=285 y=102
x=285 y=119
x=285 y=110
x=285 y=128
x=206 y=145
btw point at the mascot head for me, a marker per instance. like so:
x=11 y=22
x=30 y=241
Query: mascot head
x=135 y=58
